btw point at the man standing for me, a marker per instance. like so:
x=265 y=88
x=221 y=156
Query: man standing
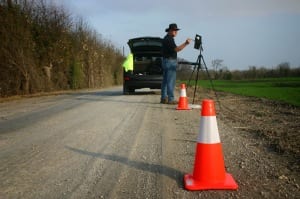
x=169 y=52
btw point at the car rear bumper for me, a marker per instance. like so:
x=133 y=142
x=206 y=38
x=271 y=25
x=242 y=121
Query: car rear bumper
x=137 y=82
x=143 y=84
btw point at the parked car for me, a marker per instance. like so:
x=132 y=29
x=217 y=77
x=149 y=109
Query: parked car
x=147 y=64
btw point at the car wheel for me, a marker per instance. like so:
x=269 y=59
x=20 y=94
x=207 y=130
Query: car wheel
x=131 y=90
x=125 y=90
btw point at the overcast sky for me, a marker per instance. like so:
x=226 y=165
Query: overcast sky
x=243 y=33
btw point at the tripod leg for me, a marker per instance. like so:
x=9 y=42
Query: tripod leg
x=211 y=82
x=188 y=83
x=196 y=83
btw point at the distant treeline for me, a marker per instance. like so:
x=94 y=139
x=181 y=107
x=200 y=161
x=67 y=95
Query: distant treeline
x=43 y=48
x=218 y=71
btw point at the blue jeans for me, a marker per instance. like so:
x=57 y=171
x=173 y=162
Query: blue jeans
x=169 y=79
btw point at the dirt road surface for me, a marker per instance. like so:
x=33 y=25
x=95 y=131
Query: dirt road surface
x=102 y=144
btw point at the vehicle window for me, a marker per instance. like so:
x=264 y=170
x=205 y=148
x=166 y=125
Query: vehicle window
x=148 y=64
x=147 y=43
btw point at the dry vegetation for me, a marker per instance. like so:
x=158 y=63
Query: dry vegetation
x=44 y=49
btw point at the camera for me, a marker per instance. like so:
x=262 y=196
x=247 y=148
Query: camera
x=198 y=41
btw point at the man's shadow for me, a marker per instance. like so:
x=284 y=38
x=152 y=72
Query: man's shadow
x=153 y=168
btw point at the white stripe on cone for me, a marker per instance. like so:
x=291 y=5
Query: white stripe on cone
x=208 y=133
x=183 y=93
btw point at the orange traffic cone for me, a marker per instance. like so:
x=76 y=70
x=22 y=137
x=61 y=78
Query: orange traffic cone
x=183 y=103
x=209 y=170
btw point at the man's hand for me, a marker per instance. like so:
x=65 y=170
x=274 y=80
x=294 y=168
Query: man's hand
x=188 y=41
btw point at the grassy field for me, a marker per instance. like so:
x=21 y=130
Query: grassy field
x=279 y=89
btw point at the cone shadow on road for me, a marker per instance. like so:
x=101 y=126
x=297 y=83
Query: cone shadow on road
x=149 y=167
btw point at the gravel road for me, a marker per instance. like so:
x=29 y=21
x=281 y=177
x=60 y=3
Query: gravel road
x=102 y=144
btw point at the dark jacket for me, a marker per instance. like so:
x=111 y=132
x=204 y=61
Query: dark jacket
x=168 y=47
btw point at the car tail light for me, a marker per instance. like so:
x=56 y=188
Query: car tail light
x=126 y=78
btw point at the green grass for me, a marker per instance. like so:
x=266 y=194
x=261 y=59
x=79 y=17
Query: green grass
x=279 y=89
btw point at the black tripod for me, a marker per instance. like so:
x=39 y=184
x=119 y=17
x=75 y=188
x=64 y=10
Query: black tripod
x=198 y=64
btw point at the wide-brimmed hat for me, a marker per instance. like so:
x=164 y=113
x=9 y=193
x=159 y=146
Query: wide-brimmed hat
x=172 y=26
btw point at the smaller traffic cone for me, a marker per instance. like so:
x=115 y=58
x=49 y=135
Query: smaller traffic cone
x=183 y=103
x=209 y=170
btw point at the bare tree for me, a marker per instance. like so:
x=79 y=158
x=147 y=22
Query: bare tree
x=284 y=69
x=217 y=64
